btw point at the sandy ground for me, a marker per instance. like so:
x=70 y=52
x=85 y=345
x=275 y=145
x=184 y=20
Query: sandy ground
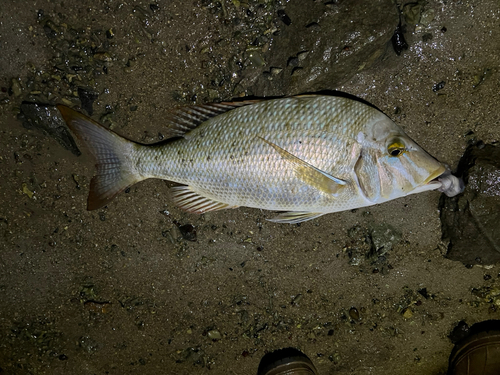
x=119 y=290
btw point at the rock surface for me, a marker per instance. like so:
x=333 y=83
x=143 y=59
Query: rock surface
x=471 y=220
x=328 y=46
x=47 y=119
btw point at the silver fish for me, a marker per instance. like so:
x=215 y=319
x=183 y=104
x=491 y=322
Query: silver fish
x=306 y=155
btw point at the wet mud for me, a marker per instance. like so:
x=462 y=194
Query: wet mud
x=141 y=286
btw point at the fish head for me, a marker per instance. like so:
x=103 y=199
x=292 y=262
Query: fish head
x=397 y=164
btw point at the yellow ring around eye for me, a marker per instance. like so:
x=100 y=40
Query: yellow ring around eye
x=396 y=148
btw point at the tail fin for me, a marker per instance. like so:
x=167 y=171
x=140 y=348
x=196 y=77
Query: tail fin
x=113 y=155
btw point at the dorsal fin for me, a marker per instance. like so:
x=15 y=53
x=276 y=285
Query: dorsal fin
x=189 y=117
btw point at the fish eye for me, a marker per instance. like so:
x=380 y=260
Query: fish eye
x=396 y=148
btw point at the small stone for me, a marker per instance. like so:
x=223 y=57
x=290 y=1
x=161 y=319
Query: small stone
x=407 y=313
x=354 y=313
x=313 y=26
x=214 y=335
x=398 y=40
x=102 y=56
x=296 y=71
x=256 y=59
x=27 y=191
x=267 y=75
x=301 y=56
x=438 y=86
x=188 y=232
x=412 y=13
x=384 y=237
x=296 y=300
x=16 y=87
x=283 y=16
x=427 y=17
x=276 y=71
x=293 y=61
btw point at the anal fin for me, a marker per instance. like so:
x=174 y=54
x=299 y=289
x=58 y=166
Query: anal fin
x=189 y=200
x=294 y=217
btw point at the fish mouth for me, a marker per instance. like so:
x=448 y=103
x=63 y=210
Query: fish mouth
x=433 y=177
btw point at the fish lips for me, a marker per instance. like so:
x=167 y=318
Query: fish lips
x=433 y=177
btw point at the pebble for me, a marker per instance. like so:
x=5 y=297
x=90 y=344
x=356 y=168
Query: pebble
x=412 y=13
x=427 y=17
x=301 y=56
x=16 y=87
x=27 y=191
x=384 y=237
x=293 y=61
x=214 y=335
x=188 y=232
x=354 y=313
x=284 y=17
x=407 y=313
x=296 y=71
x=438 y=86
x=276 y=71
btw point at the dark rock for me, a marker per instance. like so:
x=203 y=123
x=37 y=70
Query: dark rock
x=292 y=61
x=398 y=40
x=327 y=65
x=188 y=232
x=412 y=12
x=283 y=16
x=438 y=86
x=47 y=119
x=470 y=220
x=384 y=237
x=354 y=313
x=87 y=98
x=423 y=292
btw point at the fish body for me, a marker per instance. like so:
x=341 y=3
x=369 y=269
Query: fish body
x=305 y=155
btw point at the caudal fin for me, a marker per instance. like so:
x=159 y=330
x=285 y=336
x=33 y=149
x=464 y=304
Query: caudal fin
x=113 y=155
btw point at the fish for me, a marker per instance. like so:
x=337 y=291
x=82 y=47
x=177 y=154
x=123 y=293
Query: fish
x=304 y=156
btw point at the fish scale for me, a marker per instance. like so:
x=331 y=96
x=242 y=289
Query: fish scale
x=221 y=163
x=307 y=155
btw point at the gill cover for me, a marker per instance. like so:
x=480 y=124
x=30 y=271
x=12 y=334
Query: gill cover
x=391 y=165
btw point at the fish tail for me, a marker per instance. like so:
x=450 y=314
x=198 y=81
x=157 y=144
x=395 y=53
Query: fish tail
x=114 y=157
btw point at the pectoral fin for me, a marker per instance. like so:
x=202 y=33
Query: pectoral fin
x=310 y=174
x=294 y=217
